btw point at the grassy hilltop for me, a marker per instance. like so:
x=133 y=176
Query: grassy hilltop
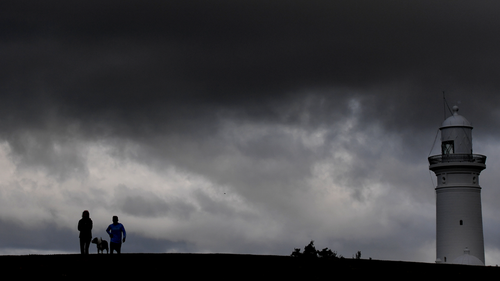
x=226 y=266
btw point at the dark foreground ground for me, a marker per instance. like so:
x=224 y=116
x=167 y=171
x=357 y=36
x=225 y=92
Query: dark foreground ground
x=224 y=266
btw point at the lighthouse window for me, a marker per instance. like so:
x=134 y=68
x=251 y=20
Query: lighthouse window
x=447 y=147
x=461 y=222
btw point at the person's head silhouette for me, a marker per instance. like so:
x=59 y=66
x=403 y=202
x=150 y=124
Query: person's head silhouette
x=86 y=214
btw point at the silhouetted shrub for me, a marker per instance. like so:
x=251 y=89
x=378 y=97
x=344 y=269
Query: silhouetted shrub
x=311 y=252
x=327 y=253
x=296 y=253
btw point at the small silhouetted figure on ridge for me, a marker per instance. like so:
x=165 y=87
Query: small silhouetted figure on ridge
x=115 y=231
x=85 y=228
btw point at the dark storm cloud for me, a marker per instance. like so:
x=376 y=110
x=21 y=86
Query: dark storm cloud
x=135 y=64
x=130 y=68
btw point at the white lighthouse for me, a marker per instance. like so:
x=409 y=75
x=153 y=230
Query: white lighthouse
x=459 y=222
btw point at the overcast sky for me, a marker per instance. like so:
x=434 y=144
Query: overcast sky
x=241 y=126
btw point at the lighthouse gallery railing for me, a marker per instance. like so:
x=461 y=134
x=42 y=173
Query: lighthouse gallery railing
x=475 y=158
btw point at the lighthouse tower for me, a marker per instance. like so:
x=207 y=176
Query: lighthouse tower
x=459 y=222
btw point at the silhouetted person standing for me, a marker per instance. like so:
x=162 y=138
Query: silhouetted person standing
x=85 y=228
x=115 y=231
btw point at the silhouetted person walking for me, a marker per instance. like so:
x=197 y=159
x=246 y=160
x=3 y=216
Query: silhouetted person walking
x=115 y=233
x=85 y=228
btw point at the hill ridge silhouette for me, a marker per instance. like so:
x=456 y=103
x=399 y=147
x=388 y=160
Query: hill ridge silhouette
x=222 y=265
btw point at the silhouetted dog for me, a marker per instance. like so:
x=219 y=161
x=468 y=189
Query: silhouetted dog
x=101 y=245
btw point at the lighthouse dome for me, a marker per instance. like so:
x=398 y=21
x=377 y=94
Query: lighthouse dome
x=456 y=120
